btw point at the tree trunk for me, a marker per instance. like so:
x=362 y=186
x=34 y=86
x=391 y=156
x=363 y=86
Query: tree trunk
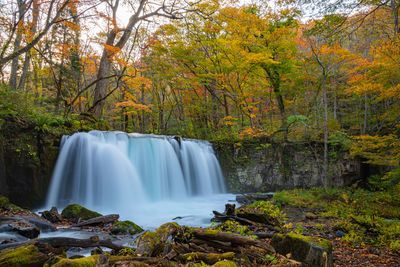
x=17 y=44
x=325 y=99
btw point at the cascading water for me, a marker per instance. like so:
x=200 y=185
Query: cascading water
x=141 y=177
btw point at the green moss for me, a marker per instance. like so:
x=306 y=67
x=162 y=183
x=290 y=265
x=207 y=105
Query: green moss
x=262 y=212
x=6 y=204
x=22 y=256
x=125 y=227
x=82 y=262
x=318 y=241
x=76 y=211
x=225 y=263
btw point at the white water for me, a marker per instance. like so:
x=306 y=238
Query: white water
x=145 y=178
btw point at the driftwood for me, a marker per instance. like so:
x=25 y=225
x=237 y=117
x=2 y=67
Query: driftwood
x=209 y=258
x=99 y=220
x=58 y=242
x=234 y=239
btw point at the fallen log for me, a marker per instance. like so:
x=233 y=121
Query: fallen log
x=99 y=220
x=93 y=241
x=234 y=239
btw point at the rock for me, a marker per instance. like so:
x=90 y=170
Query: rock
x=25 y=229
x=340 y=233
x=125 y=227
x=261 y=212
x=247 y=199
x=27 y=255
x=96 y=251
x=311 y=251
x=229 y=209
x=94 y=260
x=152 y=243
x=311 y=216
x=225 y=263
x=52 y=215
x=75 y=212
x=39 y=222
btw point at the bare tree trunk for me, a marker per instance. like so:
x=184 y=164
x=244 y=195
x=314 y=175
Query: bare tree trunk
x=17 y=44
x=395 y=11
x=325 y=99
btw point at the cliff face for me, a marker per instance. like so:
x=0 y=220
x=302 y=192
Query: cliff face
x=259 y=166
x=27 y=159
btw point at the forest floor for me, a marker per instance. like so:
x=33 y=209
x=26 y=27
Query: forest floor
x=364 y=226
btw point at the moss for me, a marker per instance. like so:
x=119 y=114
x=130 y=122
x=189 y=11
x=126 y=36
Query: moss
x=22 y=256
x=125 y=227
x=6 y=204
x=82 y=262
x=262 y=212
x=76 y=211
x=318 y=241
x=225 y=263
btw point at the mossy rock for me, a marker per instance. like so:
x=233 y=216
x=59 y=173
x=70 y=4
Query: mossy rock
x=28 y=255
x=225 y=263
x=152 y=243
x=262 y=212
x=76 y=212
x=311 y=251
x=125 y=227
x=95 y=260
x=7 y=205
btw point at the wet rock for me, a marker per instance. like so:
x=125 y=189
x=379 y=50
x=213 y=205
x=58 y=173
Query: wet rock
x=96 y=251
x=340 y=233
x=8 y=241
x=39 y=222
x=311 y=251
x=25 y=229
x=75 y=212
x=52 y=215
x=125 y=227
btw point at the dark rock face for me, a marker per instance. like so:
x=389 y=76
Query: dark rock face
x=259 y=166
x=27 y=159
x=52 y=215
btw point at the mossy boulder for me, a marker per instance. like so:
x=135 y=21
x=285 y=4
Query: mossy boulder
x=75 y=212
x=7 y=205
x=262 y=212
x=311 y=251
x=225 y=263
x=125 y=227
x=153 y=243
x=95 y=260
x=28 y=255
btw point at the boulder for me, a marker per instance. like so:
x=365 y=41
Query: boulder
x=153 y=243
x=52 y=215
x=25 y=229
x=261 y=212
x=26 y=255
x=125 y=227
x=76 y=212
x=311 y=251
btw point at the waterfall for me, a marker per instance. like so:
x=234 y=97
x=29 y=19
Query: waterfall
x=116 y=171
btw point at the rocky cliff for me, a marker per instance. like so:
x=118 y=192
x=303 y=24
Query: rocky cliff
x=261 y=166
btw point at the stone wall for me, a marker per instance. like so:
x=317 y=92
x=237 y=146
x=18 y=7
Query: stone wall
x=260 y=166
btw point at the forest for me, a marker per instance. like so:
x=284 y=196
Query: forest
x=299 y=72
